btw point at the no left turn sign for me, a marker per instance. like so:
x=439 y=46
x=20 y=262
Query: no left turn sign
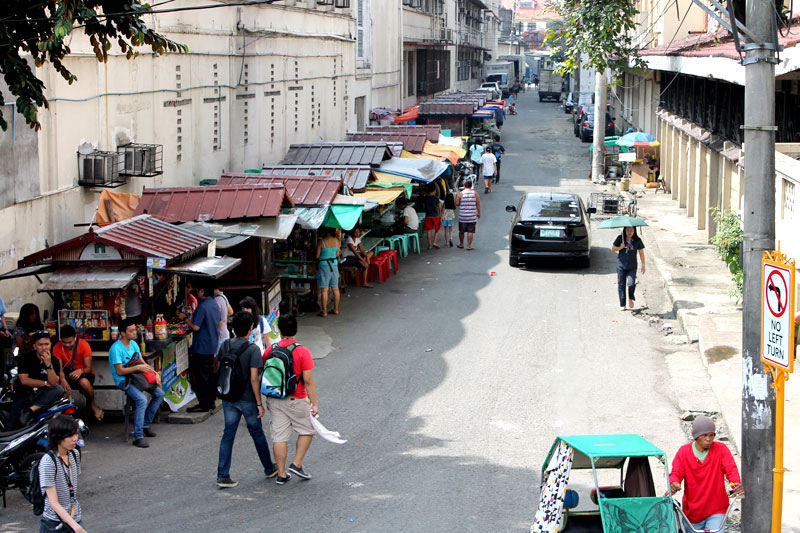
x=777 y=314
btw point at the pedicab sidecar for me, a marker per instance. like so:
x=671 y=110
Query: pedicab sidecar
x=617 y=488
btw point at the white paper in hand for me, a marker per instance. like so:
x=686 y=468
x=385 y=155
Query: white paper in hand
x=322 y=431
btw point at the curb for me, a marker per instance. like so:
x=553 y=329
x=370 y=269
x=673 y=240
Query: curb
x=692 y=332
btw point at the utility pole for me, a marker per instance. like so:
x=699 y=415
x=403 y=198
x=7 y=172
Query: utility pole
x=598 y=144
x=758 y=417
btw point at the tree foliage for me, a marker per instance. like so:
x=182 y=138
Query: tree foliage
x=602 y=29
x=728 y=245
x=43 y=29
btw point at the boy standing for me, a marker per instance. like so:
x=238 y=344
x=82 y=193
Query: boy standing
x=292 y=412
x=248 y=405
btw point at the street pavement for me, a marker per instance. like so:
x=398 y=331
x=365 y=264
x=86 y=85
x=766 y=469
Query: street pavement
x=449 y=383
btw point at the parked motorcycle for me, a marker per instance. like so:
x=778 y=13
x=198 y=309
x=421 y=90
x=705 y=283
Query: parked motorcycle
x=464 y=171
x=20 y=450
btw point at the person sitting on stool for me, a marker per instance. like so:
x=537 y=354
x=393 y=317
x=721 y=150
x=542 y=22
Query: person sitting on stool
x=40 y=382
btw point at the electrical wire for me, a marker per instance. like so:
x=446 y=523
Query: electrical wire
x=662 y=91
x=150 y=11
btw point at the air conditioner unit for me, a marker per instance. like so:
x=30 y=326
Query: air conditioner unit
x=99 y=169
x=140 y=159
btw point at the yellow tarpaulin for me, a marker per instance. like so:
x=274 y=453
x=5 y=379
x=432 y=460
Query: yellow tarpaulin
x=384 y=177
x=122 y=205
x=409 y=155
x=380 y=196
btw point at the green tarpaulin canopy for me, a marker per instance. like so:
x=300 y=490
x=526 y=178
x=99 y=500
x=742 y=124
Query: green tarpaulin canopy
x=407 y=186
x=343 y=216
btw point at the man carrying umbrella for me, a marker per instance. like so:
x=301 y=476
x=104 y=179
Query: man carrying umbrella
x=628 y=246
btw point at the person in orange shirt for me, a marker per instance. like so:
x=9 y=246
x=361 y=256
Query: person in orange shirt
x=76 y=358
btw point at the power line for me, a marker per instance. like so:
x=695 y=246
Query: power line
x=662 y=91
x=151 y=11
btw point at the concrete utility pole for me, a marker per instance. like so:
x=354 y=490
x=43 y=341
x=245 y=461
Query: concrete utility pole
x=758 y=418
x=598 y=147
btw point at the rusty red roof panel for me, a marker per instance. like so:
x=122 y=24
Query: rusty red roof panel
x=341 y=153
x=305 y=191
x=354 y=177
x=200 y=204
x=413 y=142
x=431 y=130
x=153 y=237
x=141 y=235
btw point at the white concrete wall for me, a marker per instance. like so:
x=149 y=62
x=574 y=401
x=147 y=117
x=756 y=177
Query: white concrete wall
x=379 y=79
x=302 y=57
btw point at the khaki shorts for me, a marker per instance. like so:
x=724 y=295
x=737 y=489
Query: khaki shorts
x=289 y=414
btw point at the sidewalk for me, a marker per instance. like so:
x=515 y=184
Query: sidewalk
x=697 y=283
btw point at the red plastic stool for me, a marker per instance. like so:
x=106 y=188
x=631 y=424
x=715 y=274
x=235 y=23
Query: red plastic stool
x=392 y=255
x=379 y=265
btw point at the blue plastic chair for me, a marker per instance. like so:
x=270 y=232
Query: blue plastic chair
x=413 y=239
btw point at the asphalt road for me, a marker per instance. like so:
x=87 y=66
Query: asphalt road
x=449 y=383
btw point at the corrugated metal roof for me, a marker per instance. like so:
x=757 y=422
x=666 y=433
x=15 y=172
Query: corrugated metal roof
x=354 y=177
x=341 y=153
x=413 y=142
x=28 y=271
x=89 y=278
x=210 y=267
x=142 y=236
x=431 y=130
x=308 y=191
x=434 y=108
x=190 y=204
x=152 y=237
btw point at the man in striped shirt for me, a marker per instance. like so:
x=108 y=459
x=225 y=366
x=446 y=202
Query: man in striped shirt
x=469 y=211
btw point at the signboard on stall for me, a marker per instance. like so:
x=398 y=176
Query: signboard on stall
x=98 y=251
x=182 y=355
x=177 y=391
x=156 y=262
x=273 y=308
x=777 y=314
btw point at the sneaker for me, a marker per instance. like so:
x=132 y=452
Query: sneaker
x=141 y=443
x=281 y=480
x=274 y=471
x=148 y=432
x=226 y=483
x=298 y=471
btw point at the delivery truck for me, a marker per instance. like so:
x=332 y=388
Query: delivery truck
x=503 y=73
x=549 y=85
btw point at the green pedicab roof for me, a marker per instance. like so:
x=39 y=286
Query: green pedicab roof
x=607 y=451
x=613 y=445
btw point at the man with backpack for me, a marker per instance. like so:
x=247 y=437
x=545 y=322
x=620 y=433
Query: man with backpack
x=290 y=400
x=239 y=365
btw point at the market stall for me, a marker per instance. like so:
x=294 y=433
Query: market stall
x=248 y=210
x=140 y=267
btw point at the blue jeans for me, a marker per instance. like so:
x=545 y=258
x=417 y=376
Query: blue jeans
x=144 y=413
x=713 y=522
x=233 y=412
x=626 y=277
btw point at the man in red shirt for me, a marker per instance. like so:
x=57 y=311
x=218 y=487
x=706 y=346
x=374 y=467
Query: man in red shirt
x=76 y=359
x=704 y=465
x=291 y=413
